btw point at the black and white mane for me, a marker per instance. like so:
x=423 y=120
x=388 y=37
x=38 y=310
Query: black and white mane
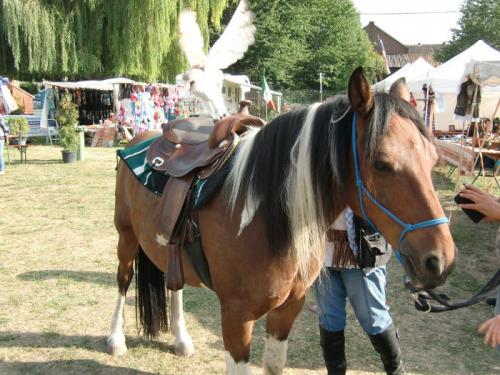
x=294 y=170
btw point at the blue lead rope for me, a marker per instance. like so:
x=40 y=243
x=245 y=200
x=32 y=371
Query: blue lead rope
x=361 y=189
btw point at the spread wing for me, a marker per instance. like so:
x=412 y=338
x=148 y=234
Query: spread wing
x=191 y=40
x=234 y=41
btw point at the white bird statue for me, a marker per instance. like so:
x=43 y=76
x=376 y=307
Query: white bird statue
x=205 y=73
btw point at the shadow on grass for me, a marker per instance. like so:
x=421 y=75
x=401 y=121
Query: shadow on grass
x=13 y=339
x=77 y=366
x=443 y=180
x=102 y=278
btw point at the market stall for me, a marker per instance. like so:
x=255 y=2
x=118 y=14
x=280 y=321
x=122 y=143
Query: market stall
x=445 y=81
x=465 y=152
x=116 y=103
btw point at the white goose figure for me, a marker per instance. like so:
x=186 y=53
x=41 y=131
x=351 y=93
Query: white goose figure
x=205 y=73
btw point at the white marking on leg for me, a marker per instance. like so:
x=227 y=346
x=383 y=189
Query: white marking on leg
x=274 y=356
x=183 y=344
x=233 y=368
x=116 y=339
x=161 y=240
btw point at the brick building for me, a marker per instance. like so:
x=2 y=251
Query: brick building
x=398 y=54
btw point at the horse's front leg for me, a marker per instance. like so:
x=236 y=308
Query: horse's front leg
x=237 y=334
x=278 y=326
x=183 y=344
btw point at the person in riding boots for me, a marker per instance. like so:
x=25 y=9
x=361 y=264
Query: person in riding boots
x=365 y=287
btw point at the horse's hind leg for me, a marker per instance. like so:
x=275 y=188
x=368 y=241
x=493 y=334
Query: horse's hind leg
x=278 y=326
x=127 y=249
x=183 y=344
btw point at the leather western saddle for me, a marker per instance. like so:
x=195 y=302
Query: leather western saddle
x=189 y=149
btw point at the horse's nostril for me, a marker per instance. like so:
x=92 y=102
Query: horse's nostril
x=433 y=265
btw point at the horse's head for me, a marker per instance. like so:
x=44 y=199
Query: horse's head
x=396 y=156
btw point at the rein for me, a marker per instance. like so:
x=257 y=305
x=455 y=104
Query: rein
x=422 y=300
x=362 y=190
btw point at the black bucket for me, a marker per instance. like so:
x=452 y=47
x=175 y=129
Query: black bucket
x=69 y=156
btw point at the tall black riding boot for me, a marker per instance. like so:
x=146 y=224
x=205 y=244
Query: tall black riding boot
x=333 y=346
x=387 y=345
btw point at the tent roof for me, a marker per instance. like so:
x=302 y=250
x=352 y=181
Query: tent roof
x=105 y=85
x=447 y=76
x=409 y=71
x=484 y=73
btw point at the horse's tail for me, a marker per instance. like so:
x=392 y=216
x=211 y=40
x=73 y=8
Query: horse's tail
x=151 y=297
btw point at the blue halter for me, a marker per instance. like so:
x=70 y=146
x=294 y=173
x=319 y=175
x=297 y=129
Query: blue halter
x=362 y=189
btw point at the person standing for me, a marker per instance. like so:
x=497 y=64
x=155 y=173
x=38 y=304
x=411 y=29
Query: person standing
x=3 y=140
x=365 y=288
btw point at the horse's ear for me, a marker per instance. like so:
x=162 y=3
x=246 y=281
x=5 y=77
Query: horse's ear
x=359 y=93
x=399 y=89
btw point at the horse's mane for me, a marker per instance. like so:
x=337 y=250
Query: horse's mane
x=293 y=170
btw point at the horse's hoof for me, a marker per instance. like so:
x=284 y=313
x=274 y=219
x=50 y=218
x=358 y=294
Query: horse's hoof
x=184 y=347
x=116 y=345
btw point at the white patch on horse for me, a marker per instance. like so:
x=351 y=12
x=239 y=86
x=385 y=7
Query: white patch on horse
x=116 y=339
x=161 y=240
x=248 y=212
x=274 y=356
x=305 y=221
x=233 y=368
x=183 y=344
x=234 y=180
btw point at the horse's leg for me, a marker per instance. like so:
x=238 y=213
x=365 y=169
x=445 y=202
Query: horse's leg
x=127 y=249
x=183 y=345
x=237 y=335
x=278 y=326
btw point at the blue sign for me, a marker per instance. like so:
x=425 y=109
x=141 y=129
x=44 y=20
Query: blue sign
x=34 y=124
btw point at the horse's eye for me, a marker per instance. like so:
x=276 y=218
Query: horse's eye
x=382 y=166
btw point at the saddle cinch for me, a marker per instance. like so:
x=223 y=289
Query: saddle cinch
x=190 y=149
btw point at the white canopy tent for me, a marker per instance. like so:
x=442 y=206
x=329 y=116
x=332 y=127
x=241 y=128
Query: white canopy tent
x=483 y=73
x=446 y=80
x=410 y=71
x=447 y=77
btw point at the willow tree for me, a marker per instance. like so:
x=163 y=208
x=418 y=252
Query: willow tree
x=97 y=38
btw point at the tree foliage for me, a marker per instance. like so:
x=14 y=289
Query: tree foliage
x=296 y=40
x=480 y=20
x=97 y=38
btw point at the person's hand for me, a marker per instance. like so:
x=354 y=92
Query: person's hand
x=491 y=330
x=482 y=202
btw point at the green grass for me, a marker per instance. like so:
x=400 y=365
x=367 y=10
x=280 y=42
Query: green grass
x=57 y=282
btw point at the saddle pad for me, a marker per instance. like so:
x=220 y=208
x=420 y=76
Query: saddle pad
x=135 y=159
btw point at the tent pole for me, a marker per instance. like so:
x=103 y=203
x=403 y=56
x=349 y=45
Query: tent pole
x=462 y=142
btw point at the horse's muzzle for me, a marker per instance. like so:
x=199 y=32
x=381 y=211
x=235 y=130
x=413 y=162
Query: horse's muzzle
x=427 y=270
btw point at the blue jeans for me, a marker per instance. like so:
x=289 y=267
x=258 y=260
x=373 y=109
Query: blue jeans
x=2 y=162
x=366 y=292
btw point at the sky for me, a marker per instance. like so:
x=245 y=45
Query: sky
x=412 y=28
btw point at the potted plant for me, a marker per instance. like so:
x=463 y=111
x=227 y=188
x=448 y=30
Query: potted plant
x=68 y=133
x=18 y=126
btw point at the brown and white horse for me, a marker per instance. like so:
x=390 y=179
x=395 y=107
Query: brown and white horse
x=262 y=234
